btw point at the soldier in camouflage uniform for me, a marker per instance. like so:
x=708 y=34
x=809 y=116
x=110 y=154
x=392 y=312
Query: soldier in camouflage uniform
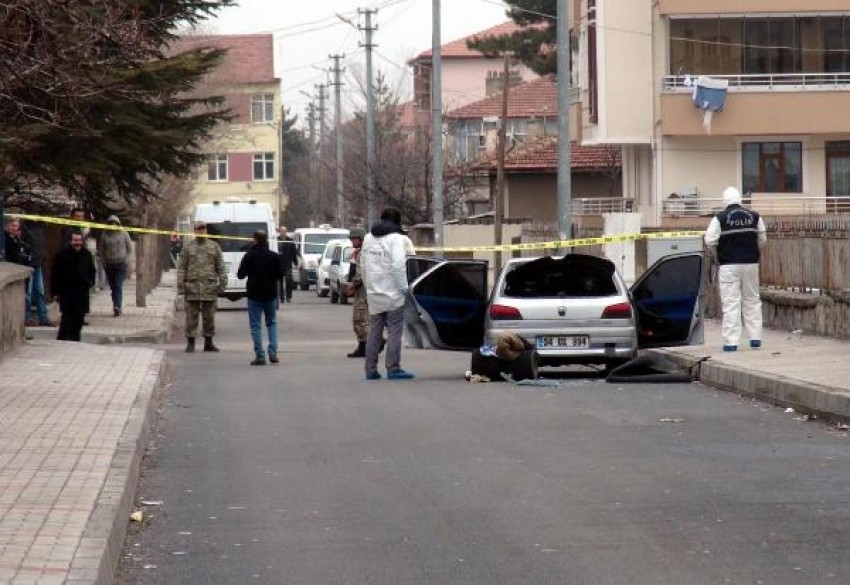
x=201 y=275
x=356 y=290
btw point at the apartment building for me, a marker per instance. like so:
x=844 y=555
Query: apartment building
x=467 y=75
x=782 y=130
x=244 y=157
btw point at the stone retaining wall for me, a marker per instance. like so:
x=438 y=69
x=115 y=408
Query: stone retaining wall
x=825 y=314
x=13 y=280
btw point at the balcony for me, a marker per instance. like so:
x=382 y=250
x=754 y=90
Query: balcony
x=768 y=204
x=762 y=105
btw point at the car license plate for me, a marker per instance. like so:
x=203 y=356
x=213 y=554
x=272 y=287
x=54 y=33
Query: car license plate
x=563 y=342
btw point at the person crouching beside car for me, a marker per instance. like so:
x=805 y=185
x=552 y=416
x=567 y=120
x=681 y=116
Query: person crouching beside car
x=262 y=268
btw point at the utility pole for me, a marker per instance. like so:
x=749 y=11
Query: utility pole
x=323 y=127
x=499 y=207
x=437 y=128
x=368 y=29
x=337 y=84
x=565 y=220
x=311 y=119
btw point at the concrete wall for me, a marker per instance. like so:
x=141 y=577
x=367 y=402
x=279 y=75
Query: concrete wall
x=536 y=195
x=12 y=294
x=715 y=7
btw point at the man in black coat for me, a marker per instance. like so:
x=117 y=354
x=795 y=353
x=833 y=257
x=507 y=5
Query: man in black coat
x=289 y=258
x=262 y=268
x=72 y=277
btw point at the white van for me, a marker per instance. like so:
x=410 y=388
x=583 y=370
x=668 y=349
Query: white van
x=311 y=243
x=239 y=218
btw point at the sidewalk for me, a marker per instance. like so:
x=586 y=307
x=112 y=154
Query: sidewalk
x=807 y=373
x=73 y=424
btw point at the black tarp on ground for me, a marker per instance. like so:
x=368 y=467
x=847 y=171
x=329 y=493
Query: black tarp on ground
x=649 y=369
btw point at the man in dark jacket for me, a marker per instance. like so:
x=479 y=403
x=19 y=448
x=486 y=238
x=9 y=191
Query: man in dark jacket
x=72 y=277
x=263 y=269
x=289 y=258
x=32 y=233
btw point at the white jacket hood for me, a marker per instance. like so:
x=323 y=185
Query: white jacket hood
x=731 y=196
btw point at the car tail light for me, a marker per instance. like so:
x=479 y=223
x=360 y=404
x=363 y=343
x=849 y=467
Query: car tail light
x=504 y=312
x=618 y=311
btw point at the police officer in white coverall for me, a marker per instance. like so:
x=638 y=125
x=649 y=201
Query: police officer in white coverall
x=738 y=234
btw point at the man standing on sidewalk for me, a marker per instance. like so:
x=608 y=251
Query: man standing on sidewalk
x=201 y=275
x=384 y=265
x=115 y=249
x=262 y=268
x=32 y=232
x=736 y=235
x=72 y=278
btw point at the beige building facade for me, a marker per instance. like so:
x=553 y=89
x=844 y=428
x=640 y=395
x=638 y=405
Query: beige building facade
x=243 y=160
x=784 y=132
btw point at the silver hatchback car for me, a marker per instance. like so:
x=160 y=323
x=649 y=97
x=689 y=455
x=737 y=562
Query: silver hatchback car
x=575 y=309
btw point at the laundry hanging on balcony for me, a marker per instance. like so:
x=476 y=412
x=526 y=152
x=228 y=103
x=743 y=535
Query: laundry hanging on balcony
x=710 y=97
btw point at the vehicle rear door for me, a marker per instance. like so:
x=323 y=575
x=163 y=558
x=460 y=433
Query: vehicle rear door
x=447 y=302
x=668 y=301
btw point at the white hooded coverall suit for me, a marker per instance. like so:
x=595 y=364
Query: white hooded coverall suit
x=738 y=234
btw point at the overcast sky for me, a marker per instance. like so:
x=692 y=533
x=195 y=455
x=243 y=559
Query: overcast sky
x=307 y=31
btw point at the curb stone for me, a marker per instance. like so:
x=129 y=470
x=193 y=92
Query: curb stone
x=97 y=556
x=781 y=391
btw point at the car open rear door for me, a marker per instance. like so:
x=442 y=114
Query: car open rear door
x=447 y=302
x=668 y=302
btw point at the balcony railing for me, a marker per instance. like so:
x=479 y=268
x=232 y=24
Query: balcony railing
x=600 y=205
x=765 y=203
x=781 y=82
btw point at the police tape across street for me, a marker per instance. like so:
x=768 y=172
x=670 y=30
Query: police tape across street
x=549 y=245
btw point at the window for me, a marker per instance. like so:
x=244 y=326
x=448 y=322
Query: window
x=264 y=166
x=262 y=108
x=217 y=167
x=772 y=167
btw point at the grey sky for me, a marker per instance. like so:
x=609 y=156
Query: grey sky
x=307 y=31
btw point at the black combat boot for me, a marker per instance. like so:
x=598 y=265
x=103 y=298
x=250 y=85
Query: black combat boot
x=208 y=344
x=360 y=351
x=190 y=345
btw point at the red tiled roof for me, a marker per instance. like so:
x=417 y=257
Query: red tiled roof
x=459 y=49
x=541 y=155
x=533 y=99
x=250 y=58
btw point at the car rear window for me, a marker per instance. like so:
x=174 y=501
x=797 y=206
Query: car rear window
x=572 y=276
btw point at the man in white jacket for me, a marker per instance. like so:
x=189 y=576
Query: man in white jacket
x=383 y=260
x=737 y=235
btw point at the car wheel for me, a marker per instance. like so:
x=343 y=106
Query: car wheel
x=322 y=292
x=343 y=300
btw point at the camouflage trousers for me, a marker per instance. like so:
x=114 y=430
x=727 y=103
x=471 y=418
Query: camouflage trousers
x=195 y=309
x=360 y=317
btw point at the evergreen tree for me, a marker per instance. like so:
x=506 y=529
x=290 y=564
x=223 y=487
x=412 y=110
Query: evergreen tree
x=94 y=103
x=534 y=46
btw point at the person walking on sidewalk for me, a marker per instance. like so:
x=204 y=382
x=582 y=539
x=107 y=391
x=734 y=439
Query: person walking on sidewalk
x=201 y=275
x=736 y=236
x=289 y=258
x=356 y=290
x=115 y=249
x=71 y=280
x=384 y=266
x=262 y=268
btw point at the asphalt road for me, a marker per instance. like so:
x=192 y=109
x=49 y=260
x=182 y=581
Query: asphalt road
x=305 y=474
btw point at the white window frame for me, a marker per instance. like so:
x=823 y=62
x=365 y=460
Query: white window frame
x=262 y=104
x=266 y=160
x=217 y=168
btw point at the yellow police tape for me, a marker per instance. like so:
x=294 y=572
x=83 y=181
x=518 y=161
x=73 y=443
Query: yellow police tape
x=555 y=244
x=107 y=226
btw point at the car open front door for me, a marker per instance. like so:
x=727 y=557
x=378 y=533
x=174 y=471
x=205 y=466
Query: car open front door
x=447 y=302
x=668 y=301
